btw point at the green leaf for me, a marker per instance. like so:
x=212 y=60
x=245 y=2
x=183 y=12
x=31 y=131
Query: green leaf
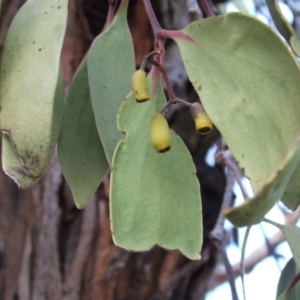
x=287 y=275
x=249 y=84
x=283 y=26
x=155 y=197
x=31 y=91
x=12 y=164
x=252 y=211
x=80 y=151
x=110 y=67
x=292 y=234
x=291 y=196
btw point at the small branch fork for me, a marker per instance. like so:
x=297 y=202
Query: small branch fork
x=156 y=57
x=152 y=58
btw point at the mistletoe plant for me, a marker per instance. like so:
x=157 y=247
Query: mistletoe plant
x=247 y=79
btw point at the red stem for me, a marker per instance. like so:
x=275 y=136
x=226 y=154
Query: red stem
x=165 y=76
x=110 y=16
x=205 y=7
x=151 y=16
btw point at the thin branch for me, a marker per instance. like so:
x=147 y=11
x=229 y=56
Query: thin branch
x=205 y=7
x=170 y=91
x=110 y=16
x=228 y=267
x=188 y=104
x=220 y=274
x=152 y=18
x=225 y=159
x=150 y=56
x=218 y=231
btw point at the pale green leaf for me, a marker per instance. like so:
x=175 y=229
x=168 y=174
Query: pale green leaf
x=284 y=26
x=249 y=84
x=155 y=197
x=12 y=165
x=110 y=67
x=253 y=210
x=287 y=275
x=31 y=92
x=80 y=151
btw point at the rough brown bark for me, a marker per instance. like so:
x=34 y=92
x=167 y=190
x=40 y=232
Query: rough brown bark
x=49 y=249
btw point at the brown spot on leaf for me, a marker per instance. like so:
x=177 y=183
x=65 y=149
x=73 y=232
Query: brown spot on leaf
x=21 y=171
x=32 y=162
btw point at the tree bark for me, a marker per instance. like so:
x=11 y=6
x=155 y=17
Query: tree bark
x=51 y=250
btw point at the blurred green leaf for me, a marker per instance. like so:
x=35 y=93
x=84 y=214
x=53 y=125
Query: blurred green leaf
x=155 y=197
x=249 y=84
x=292 y=235
x=283 y=26
x=80 y=151
x=31 y=91
x=291 y=196
x=287 y=275
x=111 y=64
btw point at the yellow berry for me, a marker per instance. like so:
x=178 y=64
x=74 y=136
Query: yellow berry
x=202 y=120
x=140 y=86
x=160 y=134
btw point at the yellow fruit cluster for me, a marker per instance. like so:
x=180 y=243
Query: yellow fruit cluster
x=160 y=135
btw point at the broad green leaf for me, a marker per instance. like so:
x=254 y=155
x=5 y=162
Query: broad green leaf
x=292 y=234
x=110 y=67
x=12 y=164
x=31 y=92
x=287 y=275
x=80 y=151
x=249 y=84
x=284 y=26
x=253 y=210
x=155 y=197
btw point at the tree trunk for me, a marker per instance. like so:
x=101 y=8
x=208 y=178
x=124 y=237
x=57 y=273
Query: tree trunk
x=51 y=250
